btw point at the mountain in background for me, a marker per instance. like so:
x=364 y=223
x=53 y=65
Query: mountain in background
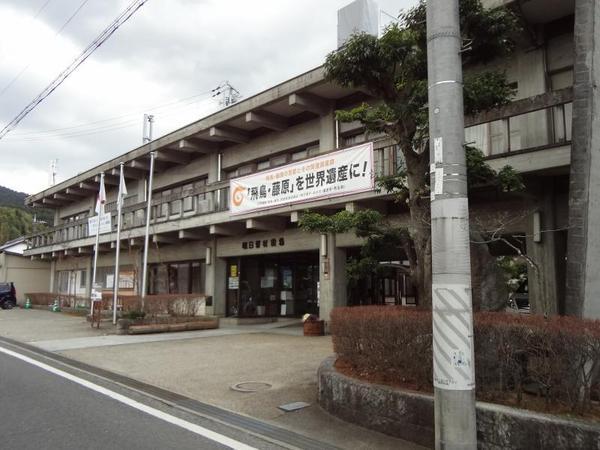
x=15 y=218
x=8 y=197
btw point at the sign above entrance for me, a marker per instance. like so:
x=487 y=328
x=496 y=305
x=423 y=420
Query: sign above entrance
x=335 y=174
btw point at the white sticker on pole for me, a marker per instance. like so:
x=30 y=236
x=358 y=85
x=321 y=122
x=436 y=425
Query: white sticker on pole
x=439 y=181
x=438 y=150
x=453 y=353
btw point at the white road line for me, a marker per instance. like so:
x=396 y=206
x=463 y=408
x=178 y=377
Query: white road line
x=216 y=437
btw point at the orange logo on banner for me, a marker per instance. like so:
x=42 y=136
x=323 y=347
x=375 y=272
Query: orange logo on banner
x=238 y=195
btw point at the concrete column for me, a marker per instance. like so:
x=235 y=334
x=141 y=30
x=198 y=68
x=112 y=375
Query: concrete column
x=215 y=281
x=327 y=136
x=542 y=248
x=213 y=159
x=52 y=275
x=583 y=258
x=332 y=276
x=88 y=275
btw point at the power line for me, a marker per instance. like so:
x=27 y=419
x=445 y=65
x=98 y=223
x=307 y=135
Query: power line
x=103 y=37
x=111 y=119
x=96 y=130
x=24 y=69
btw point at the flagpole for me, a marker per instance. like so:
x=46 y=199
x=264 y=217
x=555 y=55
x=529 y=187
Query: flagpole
x=121 y=193
x=99 y=212
x=148 y=210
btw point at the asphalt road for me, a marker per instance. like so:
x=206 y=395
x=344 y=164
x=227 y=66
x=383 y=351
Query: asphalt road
x=42 y=410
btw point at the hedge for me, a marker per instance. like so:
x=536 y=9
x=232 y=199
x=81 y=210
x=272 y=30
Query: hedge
x=556 y=359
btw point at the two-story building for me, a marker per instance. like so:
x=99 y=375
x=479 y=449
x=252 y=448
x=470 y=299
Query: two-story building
x=251 y=257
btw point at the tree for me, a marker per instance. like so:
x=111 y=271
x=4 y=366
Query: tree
x=394 y=69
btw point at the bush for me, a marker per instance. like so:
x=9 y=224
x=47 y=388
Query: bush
x=555 y=359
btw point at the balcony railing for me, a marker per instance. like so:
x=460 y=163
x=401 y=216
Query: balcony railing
x=536 y=122
x=189 y=203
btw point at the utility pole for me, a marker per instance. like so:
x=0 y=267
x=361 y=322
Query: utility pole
x=148 y=128
x=230 y=94
x=53 y=171
x=147 y=232
x=452 y=309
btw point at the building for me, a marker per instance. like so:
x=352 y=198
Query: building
x=255 y=260
x=27 y=275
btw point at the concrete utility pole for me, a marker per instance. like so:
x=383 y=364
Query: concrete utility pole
x=453 y=357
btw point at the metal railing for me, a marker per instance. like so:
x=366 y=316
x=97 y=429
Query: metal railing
x=524 y=125
x=188 y=203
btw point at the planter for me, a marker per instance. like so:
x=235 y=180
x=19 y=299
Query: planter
x=314 y=328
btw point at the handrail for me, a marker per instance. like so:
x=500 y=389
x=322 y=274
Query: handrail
x=523 y=106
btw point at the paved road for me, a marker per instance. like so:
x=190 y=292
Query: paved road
x=42 y=410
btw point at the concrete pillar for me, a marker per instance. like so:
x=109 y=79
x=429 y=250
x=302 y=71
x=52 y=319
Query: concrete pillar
x=215 y=281
x=52 y=275
x=89 y=264
x=213 y=174
x=332 y=276
x=542 y=248
x=583 y=258
x=327 y=137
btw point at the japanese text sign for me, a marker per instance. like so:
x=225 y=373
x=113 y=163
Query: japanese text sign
x=331 y=175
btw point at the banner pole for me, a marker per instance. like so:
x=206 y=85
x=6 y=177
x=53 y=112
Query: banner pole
x=118 y=243
x=99 y=212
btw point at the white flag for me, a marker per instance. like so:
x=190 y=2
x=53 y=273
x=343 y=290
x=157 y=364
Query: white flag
x=122 y=189
x=101 y=198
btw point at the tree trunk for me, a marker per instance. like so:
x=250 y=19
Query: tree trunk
x=420 y=227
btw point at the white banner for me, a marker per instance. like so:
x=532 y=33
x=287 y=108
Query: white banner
x=105 y=224
x=335 y=174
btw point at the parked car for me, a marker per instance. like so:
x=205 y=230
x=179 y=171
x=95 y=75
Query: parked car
x=8 y=295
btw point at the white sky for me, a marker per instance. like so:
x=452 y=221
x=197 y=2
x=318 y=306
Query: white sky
x=168 y=51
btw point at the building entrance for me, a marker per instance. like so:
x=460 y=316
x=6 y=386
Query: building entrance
x=273 y=285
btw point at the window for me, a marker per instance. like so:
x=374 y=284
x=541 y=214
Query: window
x=262 y=165
x=296 y=156
x=279 y=160
x=82 y=278
x=177 y=278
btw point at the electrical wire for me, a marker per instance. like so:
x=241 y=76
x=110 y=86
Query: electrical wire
x=110 y=119
x=97 y=130
x=89 y=50
x=64 y=25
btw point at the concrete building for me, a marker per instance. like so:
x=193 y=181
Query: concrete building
x=253 y=260
x=27 y=275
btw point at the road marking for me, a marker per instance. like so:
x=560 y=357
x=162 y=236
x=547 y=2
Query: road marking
x=197 y=429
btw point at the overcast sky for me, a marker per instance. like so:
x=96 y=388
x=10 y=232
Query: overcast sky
x=165 y=61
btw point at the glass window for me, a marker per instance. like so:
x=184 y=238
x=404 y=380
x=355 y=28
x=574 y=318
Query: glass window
x=299 y=155
x=262 y=165
x=279 y=160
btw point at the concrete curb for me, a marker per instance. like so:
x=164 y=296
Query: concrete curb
x=409 y=416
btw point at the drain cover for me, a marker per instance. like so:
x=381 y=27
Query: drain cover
x=289 y=407
x=251 y=386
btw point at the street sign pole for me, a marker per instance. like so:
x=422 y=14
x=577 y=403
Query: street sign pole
x=452 y=311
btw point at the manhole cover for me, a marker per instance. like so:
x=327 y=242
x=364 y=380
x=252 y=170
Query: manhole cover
x=251 y=386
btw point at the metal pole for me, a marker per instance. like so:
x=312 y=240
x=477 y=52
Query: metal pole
x=96 y=248
x=150 y=126
x=148 y=210
x=118 y=244
x=453 y=357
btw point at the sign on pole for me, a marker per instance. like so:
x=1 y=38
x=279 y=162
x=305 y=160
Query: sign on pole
x=105 y=224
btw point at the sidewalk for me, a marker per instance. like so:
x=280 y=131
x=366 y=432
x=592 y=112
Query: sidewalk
x=204 y=365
